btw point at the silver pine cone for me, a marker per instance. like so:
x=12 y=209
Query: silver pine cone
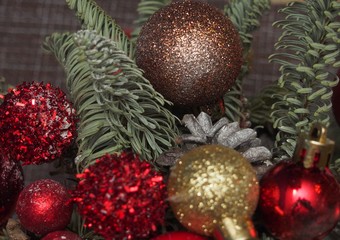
x=231 y=135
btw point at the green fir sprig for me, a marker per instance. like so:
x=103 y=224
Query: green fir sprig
x=310 y=48
x=117 y=106
x=93 y=17
x=245 y=16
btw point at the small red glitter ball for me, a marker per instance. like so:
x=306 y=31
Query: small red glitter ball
x=121 y=197
x=298 y=203
x=179 y=236
x=37 y=123
x=11 y=183
x=61 y=235
x=44 y=206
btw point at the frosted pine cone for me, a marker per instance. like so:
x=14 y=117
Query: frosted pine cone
x=202 y=132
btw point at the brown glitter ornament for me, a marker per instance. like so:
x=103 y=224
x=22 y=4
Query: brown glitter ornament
x=190 y=52
x=213 y=187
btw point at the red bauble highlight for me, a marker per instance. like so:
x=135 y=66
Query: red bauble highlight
x=11 y=183
x=61 y=235
x=297 y=203
x=121 y=197
x=179 y=236
x=44 y=206
x=37 y=123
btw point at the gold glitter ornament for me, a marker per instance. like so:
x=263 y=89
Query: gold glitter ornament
x=214 y=188
x=190 y=52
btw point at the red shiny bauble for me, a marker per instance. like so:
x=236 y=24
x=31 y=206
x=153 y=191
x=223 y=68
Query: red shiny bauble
x=298 y=203
x=179 y=236
x=44 y=206
x=121 y=197
x=37 y=123
x=61 y=235
x=11 y=183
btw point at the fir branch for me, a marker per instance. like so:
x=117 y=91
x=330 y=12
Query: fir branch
x=310 y=41
x=118 y=108
x=145 y=9
x=244 y=14
x=94 y=18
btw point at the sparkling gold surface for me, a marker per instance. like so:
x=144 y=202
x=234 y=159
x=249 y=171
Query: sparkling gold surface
x=190 y=52
x=211 y=183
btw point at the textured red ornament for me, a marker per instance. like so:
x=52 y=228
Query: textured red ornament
x=179 y=236
x=11 y=183
x=297 y=203
x=61 y=235
x=44 y=206
x=37 y=123
x=121 y=197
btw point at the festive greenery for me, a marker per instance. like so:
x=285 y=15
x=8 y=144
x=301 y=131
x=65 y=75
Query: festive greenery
x=245 y=15
x=118 y=108
x=92 y=17
x=310 y=45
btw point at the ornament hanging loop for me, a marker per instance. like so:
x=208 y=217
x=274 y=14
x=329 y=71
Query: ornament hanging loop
x=314 y=149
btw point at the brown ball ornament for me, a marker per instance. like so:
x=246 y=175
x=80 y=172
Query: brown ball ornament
x=213 y=185
x=190 y=52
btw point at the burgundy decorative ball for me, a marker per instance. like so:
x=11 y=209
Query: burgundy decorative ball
x=11 y=183
x=121 y=197
x=37 y=123
x=190 y=52
x=61 y=235
x=180 y=236
x=44 y=206
x=297 y=203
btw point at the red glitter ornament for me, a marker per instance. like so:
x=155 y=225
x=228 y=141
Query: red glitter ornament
x=61 y=235
x=179 y=236
x=300 y=201
x=44 y=206
x=121 y=197
x=11 y=183
x=37 y=123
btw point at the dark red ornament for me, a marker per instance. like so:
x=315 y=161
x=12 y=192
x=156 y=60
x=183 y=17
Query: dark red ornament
x=11 y=183
x=299 y=199
x=179 y=236
x=44 y=206
x=121 y=197
x=61 y=235
x=37 y=123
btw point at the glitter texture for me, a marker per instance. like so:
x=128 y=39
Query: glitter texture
x=121 y=197
x=211 y=183
x=11 y=183
x=190 y=52
x=44 y=206
x=37 y=123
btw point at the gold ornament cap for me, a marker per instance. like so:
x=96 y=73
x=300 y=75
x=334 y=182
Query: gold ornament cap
x=236 y=229
x=314 y=149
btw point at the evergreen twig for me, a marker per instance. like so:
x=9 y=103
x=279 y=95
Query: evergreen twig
x=118 y=108
x=310 y=40
x=245 y=15
x=93 y=17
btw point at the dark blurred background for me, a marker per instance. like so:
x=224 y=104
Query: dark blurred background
x=25 y=23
